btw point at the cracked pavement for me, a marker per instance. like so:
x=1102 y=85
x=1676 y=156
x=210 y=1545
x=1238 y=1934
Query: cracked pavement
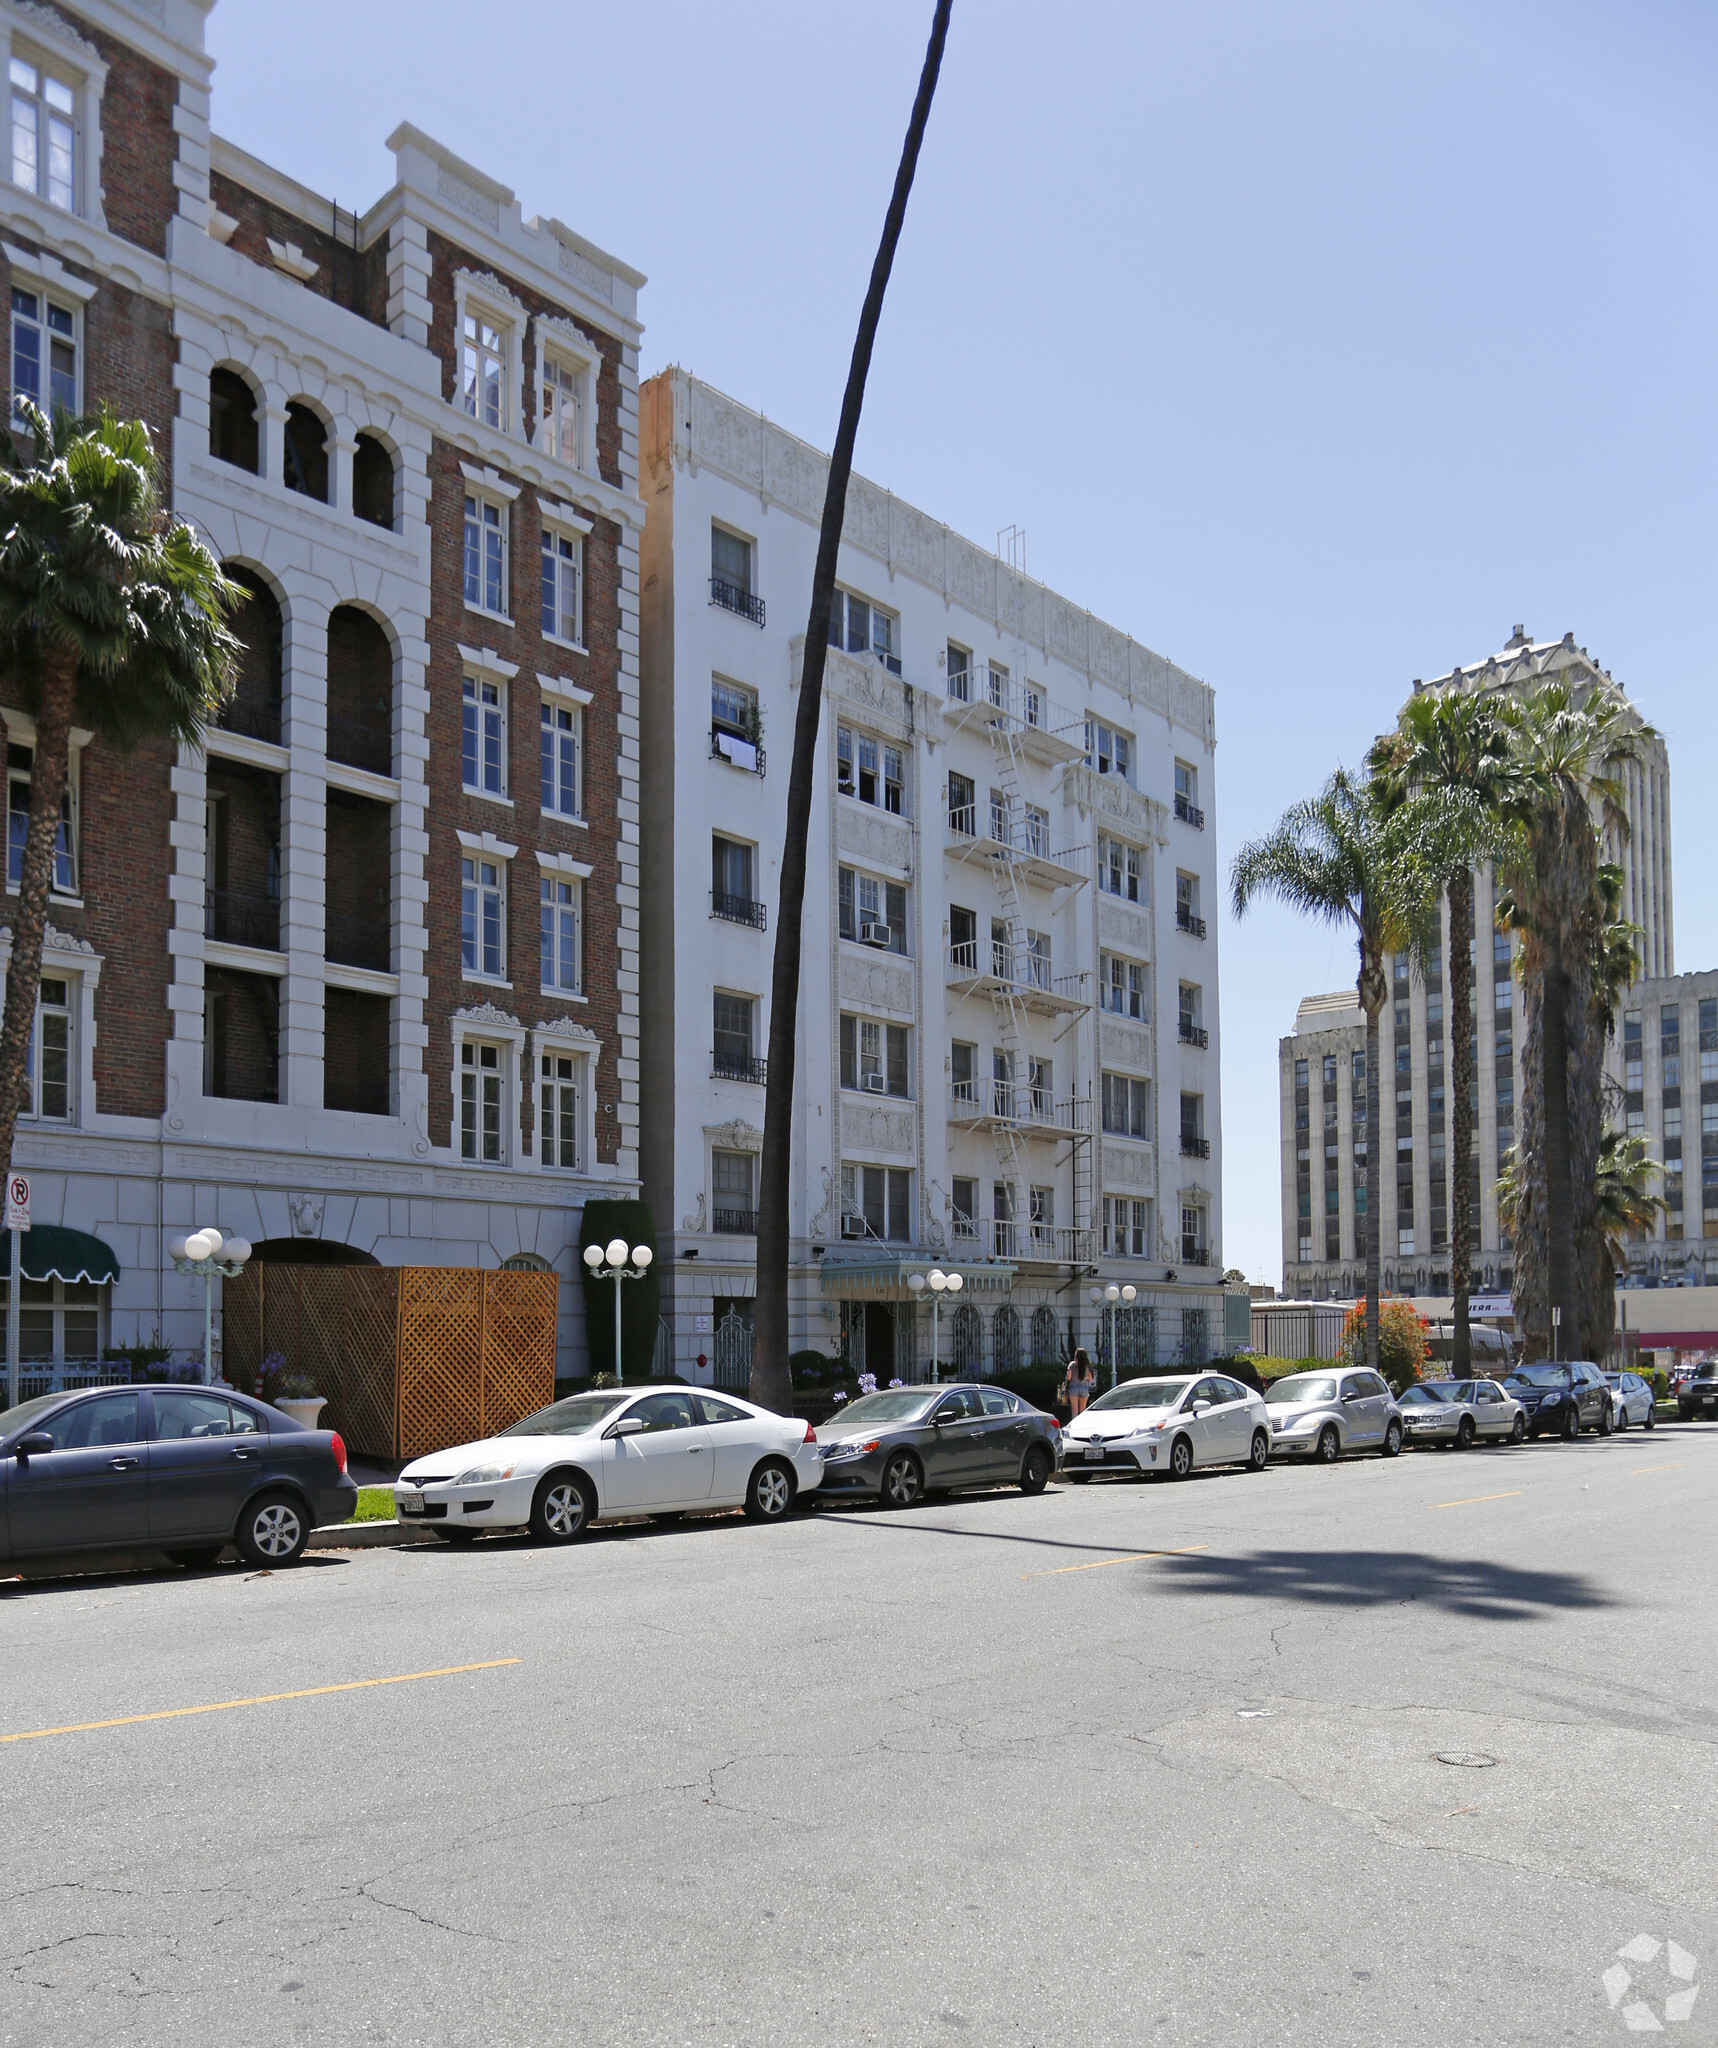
x=921 y=1778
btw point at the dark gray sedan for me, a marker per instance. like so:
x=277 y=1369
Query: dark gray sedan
x=186 y=1470
x=897 y=1447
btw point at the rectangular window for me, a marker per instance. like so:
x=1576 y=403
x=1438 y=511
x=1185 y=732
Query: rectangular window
x=1118 y=869
x=482 y=1073
x=963 y=806
x=559 y=1119
x=963 y=939
x=1121 y=986
x=871 y=771
x=875 y=1057
x=483 y=920
x=963 y=1201
x=857 y=626
x=44 y=134
x=731 y=561
x=963 y=1074
x=558 y=402
x=1126 y=1106
x=733 y=1209
x=732 y=1023
x=1109 y=752
x=48 y=1059
x=1126 y=1227
x=19 y=761
x=876 y=1202
x=561 y=612
x=485 y=556
x=483 y=374
x=731 y=881
x=561 y=920
x=561 y=734
x=483 y=738
x=959 y=673
x=44 y=352
x=733 y=710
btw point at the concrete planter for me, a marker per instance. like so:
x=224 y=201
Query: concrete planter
x=304 y=1411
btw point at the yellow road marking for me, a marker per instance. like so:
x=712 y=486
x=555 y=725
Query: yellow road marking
x=264 y=1699
x=1474 y=1499
x=1636 y=1470
x=1098 y=1564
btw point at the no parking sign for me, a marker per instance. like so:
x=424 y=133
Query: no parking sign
x=17 y=1201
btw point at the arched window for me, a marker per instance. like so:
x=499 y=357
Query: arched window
x=1046 y=1336
x=360 y=691
x=1005 y=1341
x=306 y=452
x=968 y=1342
x=233 y=420
x=254 y=707
x=373 y=482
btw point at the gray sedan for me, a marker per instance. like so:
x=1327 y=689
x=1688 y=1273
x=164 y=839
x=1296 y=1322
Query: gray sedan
x=1322 y=1415
x=897 y=1447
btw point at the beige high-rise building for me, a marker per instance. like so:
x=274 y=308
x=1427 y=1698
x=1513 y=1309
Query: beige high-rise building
x=1322 y=1062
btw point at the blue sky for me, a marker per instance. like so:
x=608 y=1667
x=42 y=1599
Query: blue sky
x=1315 y=345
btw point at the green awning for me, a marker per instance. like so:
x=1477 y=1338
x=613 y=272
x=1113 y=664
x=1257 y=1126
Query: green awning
x=51 y=1252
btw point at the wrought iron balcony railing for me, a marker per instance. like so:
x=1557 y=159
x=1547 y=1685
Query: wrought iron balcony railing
x=734 y=597
x=1187 y=921
x=1189 y=812
x=737 y=1066
x=243 y=920
x=739 y=910
x=1194 y=1034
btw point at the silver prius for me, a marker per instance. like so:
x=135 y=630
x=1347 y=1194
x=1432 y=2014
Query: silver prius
x=1324 y=1415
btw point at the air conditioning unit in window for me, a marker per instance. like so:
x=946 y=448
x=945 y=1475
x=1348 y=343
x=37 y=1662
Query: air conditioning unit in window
x=871 y=933
x=871 y=1083
x=851 y=1225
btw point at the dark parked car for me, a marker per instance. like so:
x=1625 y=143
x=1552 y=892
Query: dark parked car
x=1562 y=1399
x=898 y=1446
x=1697 y=1393
x=186 y=1470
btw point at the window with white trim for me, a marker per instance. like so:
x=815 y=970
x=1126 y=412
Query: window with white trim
x=482 y=1100
x=44 y=133
x=1119 y=869
x=560 y=1080
x=560 y=403
x=871 y=909
x=59 y=1321
x=1126 y=1106
x=44 y=352
x=483 y=917
x=870 y=769
x=485 y=555
x=1107 y=751
x=1127 y=1227
x=561 y=584
x=483 y=737
x=877 y=1202
x=48 y=1063
x=561 y=922
x=19 y=763
x=560 y=751
x=485 y=346
x=857 y=626
x=1121 y=986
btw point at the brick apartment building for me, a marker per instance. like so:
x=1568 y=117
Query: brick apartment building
x=360 y=981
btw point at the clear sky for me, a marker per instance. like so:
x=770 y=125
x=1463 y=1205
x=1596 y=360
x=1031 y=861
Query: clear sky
x=1316 y=345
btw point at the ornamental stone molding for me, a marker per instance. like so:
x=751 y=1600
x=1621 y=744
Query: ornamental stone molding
x=738 y=1136
x=48 y=21
x=564 y=1027
x=487 y=1013
x=485 y=282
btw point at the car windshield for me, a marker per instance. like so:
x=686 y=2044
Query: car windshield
x=1141 y=1394
x=1299 y=1387
x=905 y=1404
x=27 y=1413
x=1430 y=1395
x=575 y=1416
x=1541 y=1375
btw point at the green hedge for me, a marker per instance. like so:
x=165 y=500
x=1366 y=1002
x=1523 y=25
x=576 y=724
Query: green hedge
x=603 y=1219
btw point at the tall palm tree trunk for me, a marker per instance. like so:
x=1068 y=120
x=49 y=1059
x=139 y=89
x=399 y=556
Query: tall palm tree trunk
x=1372 y=1201
x=771 y=1382
x=1559 y=1184
x=1459 y=982
x=29 y=923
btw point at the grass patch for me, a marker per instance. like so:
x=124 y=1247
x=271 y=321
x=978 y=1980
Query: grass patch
x=375 y=1504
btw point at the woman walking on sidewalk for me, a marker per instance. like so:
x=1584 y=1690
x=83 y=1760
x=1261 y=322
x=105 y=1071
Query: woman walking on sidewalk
x=1081 y=1382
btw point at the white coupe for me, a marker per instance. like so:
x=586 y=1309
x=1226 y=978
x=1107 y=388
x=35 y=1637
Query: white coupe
x=1168 y=1426
x=608 y=1456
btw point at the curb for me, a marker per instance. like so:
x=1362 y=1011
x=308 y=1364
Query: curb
x=366 y=1536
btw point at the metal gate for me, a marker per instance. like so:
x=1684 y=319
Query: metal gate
x=733 y=1353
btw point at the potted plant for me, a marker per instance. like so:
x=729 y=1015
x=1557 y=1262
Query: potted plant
x=299 y=1399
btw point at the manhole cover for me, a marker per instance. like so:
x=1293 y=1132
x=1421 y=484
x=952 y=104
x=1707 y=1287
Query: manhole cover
x=1466 y=1759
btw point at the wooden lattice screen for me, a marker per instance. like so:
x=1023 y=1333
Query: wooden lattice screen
x=409 y=1358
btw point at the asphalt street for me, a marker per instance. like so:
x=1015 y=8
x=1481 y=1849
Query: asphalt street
x=1391 y=1753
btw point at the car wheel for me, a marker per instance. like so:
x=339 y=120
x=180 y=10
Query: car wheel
x=1259 y=1453
x=1620 y=1421
x=1651 y=1417
x=1392 y=1439
x=561 y=1508
x=1607 y=1421
x=1571 y=1425
x=903 y=1481
x=1465 y=1434
x=1035 y=1470
x=1518 y=1429
x=198 y=1559
x=1180 y=1457
x=1329 y=1445
x=273 y=1530
x=770 y=1494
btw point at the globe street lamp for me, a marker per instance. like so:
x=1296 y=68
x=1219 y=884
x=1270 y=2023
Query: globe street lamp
x=940 y=1283
x=625 y=1262
x=207 y=1252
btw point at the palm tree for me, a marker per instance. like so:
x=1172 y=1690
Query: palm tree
x=1624 y=1198
x=1565 y=748
x=771 y=1382
x=111 y=613
x=1341 y=857
x=1451 y=754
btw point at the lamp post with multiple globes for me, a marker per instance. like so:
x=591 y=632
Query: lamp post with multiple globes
x=207 y=1252
x=1110 y=1295
x=940 y=1283
x=624 y=1262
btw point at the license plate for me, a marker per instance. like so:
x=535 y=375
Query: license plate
x=411 y=1504
x=1094 y=1454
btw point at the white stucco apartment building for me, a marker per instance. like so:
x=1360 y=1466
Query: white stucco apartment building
x=1007 y=1051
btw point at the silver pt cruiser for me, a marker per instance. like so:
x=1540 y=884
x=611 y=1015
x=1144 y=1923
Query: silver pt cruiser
x=1324 y=1415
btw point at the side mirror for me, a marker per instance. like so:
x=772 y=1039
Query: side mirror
x=1199 y=1408
x=35 y=1443
x=628 y=1425
x=944 y=1415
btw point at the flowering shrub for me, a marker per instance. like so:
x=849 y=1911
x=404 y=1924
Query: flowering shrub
x=897 y=1383
x=867 y=1383
x=1403 y=1340
x=840 y=1396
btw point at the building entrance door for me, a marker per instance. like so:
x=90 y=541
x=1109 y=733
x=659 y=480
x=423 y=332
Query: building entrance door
x=880 y=1340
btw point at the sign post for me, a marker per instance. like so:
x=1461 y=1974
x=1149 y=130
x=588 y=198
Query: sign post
x=17 y=1222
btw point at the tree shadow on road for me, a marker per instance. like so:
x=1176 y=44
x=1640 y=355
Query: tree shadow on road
x=1479 y=1589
